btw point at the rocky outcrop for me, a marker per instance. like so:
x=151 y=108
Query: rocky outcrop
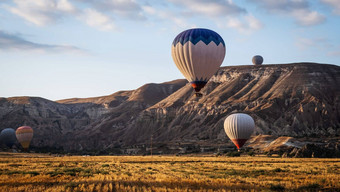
x=311 y=150
x=57 y=124
x=296 y=147
x=291 y=100
x=297 y=100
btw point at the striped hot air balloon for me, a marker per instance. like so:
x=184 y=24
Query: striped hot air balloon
x=198 y=54
x=239 y=127
x=24 y=135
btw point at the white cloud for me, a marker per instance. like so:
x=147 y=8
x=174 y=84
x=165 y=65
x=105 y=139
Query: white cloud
x=98 y=20
x=211 y=8
x=334 y=4
x=321 y=45
x=65 y=5
x=307 y=18
x=298 y=9
x=14 y=42
x=253 y=23
x=129 y=9
x=247 y=25
x=150 y=10
x=314 y=43
x=168 y=16
x=334 y=53
x=304 y=43
x=42 y=12
x=188 y=11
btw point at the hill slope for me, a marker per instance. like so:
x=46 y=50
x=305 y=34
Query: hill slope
x=300 y=99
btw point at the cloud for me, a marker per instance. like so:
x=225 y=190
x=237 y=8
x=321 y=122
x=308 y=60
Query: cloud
x=322 y=45
x=304 y=43
x=13 y=42
x=181 y=13
x=308 y=18
x=334 y=4
x=100 y=14
x=168 y=16
x=42 y=12
x=334 y=53
x=98 y=20
x=298 y=9
x=246 y=25
x=307 y=43
x=212 y=8
x=129 y=9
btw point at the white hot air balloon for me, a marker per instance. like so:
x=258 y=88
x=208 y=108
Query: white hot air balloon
x=198 y=54
x=239 y=127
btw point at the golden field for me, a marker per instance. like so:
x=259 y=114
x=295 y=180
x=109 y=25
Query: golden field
x=37 y=172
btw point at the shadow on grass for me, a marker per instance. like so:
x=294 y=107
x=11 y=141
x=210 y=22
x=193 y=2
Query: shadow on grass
x=140 y=185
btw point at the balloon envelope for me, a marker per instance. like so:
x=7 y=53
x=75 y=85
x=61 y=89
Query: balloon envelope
x=257 y=60
x=24 y=135
x=239 y=127
x=7 y=136
x=198 y=54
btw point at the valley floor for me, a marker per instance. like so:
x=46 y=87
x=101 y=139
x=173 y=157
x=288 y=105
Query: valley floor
x=37 y=172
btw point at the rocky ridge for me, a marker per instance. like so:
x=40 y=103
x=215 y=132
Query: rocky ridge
x=292 y=100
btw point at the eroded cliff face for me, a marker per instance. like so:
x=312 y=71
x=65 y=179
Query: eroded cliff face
x=301 y=99
x=57 y=124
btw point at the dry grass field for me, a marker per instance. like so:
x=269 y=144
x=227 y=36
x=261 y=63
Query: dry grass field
x=36 y=172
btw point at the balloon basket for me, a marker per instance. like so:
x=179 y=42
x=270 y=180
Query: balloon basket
x=199 y=95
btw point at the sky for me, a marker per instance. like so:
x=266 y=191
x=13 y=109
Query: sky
x=59 y=49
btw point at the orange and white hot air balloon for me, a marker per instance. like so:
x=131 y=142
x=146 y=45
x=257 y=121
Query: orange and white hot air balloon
x=24 y=135
x=239 y=127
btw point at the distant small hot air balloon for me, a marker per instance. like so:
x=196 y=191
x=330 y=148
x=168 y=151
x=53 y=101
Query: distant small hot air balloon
x=198 y=54
x=24 y=135
x=239 y=127
x=257 y=60
x=7 y=136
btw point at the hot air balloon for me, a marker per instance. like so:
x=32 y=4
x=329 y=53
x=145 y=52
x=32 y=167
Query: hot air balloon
x=7 y=136
x=257 y=60
x=198 y=54
x=239 y=127
x=24 y=135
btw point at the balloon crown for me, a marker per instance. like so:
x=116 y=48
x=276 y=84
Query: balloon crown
x=198 y=34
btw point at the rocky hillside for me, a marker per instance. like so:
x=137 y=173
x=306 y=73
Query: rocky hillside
x=298 y=100
x=56 y=123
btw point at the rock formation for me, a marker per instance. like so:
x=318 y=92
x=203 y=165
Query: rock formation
x=292 y=100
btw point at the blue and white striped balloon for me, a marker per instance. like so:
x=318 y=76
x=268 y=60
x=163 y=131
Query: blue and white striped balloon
x=198 y=54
